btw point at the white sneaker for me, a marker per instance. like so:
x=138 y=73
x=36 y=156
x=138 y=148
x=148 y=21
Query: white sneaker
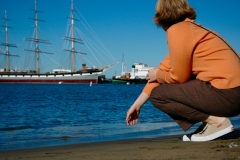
x=187 y=137
x=211 y=132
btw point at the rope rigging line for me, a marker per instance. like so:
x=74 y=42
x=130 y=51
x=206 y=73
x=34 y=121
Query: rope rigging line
x=91 y=50
x=88 y=40
x=89 y=28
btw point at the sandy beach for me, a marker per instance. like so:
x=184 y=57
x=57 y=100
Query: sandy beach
x=166 y=148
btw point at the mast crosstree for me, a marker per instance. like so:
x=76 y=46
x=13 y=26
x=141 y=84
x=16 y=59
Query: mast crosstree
x=7 y=45
x=36 y=40
x=72 y=38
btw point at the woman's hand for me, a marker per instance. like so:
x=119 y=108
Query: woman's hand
x=134 y=110
x=151 y=76
x=132 y=115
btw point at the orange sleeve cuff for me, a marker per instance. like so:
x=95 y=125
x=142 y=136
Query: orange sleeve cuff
x=160 y=76
x=163 y=76
x=166 y=77
x=149 y=87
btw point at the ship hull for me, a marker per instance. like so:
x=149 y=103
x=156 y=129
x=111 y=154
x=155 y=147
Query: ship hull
x=129 y=81
x=83 y=78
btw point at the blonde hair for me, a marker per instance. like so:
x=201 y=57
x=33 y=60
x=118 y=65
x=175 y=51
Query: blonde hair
x=169 y=12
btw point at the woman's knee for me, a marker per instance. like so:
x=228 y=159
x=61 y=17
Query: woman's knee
x=153 y=93
x=155 y=96
x=158 y=92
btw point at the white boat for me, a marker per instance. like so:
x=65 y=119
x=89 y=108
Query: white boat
x=137 y=75
x=84 y=75
x=139 y=71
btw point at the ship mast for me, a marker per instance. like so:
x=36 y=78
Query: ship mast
x=6 y=44
x=72 y=38
x=36 y=40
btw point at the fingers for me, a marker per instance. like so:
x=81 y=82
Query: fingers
x=128 y=117
x=132 y=116
x=132 y=122
x=151 y=75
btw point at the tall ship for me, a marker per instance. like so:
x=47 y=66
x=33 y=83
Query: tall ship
x=85 y=75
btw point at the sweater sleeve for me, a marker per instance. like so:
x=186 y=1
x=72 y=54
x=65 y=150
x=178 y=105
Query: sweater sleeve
x=164 y=69
x=149 y=87
x=181 y=44
x=164 y=66
x=177 y=65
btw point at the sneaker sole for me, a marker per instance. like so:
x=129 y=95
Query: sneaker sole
x=186 y=138
x=213 y=136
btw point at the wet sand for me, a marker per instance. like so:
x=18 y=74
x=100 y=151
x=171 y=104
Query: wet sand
x=164 y=148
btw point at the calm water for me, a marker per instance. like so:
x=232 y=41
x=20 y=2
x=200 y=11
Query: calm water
x=43 y=115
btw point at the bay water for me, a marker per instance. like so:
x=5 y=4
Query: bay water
x=38 y=115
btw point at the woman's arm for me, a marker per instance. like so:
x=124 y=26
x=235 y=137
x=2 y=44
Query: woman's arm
x=134 y=110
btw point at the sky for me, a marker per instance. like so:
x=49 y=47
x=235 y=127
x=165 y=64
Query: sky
x=124 y=28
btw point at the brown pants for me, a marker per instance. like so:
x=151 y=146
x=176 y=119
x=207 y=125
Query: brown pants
x=194 y=101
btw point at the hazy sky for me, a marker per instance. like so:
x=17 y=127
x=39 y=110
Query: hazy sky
x=123 y=26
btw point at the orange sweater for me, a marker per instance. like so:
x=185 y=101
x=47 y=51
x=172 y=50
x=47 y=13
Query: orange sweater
x=194 y=50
